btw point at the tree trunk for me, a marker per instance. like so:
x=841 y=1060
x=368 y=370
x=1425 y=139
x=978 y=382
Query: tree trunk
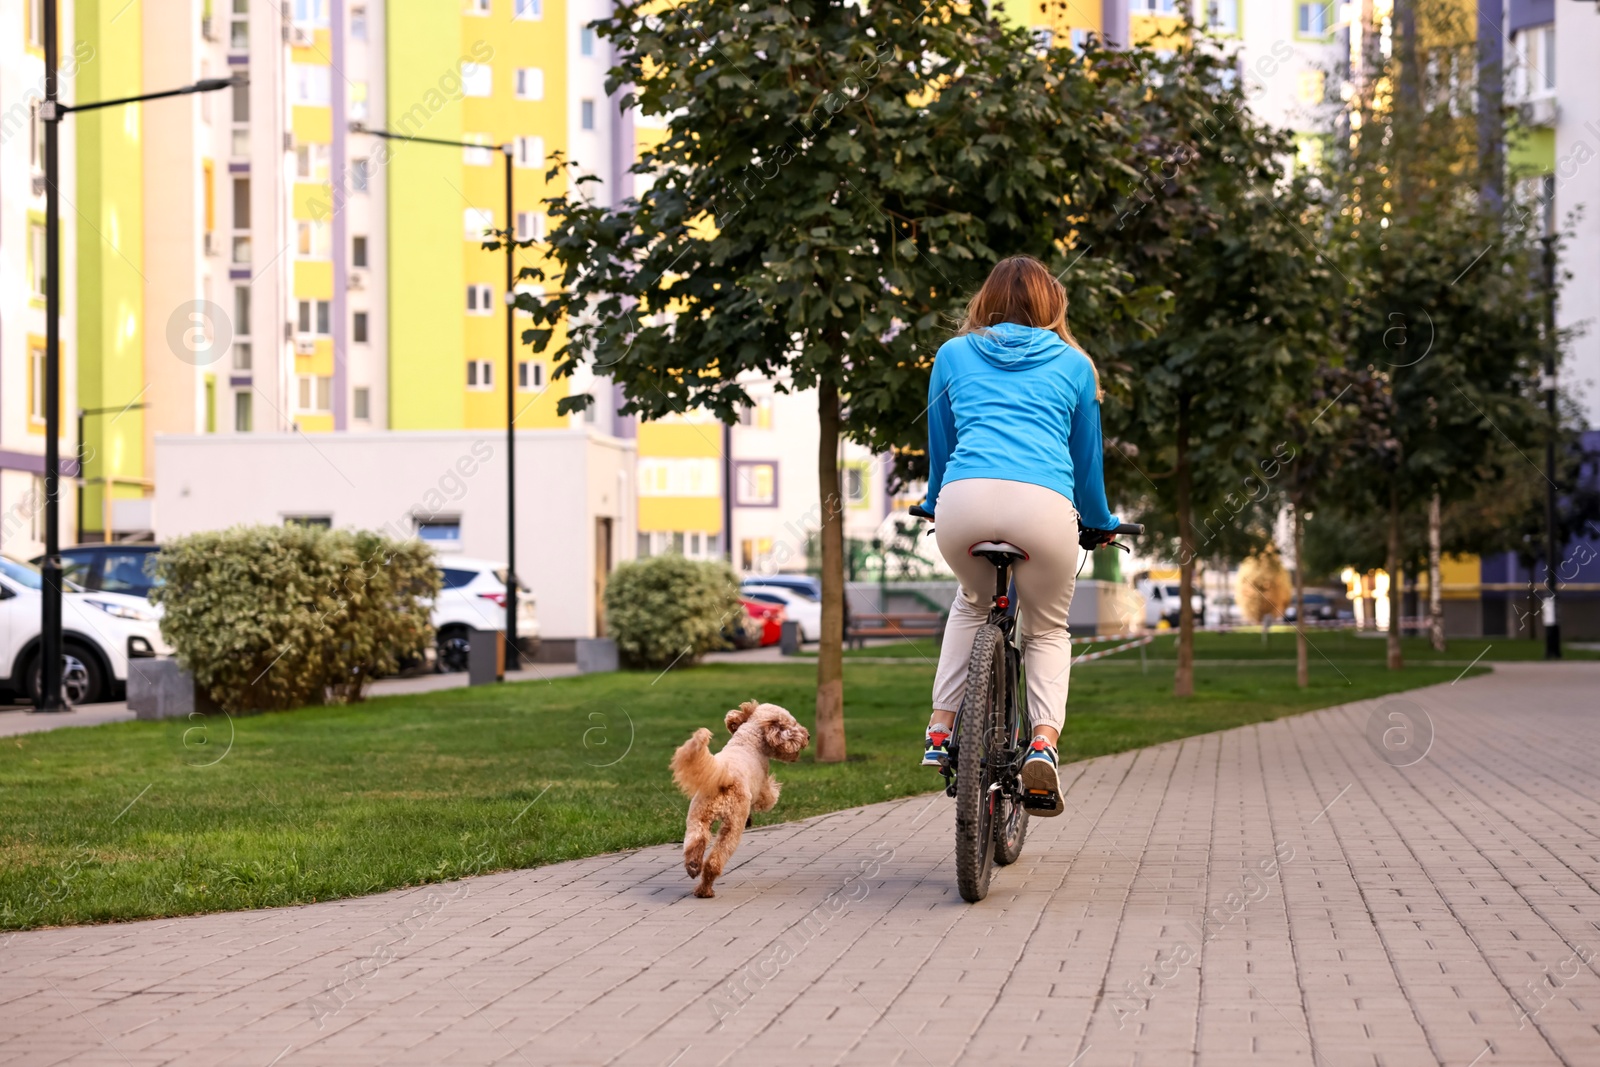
x=1183 y=677
x=830 y=649
x=1396 y=590
x=1302 y=664
x=1435 y=591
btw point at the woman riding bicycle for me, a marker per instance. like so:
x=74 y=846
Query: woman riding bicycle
x=1014 y=454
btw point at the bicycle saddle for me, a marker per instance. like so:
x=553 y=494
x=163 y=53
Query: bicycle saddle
x=989 y=549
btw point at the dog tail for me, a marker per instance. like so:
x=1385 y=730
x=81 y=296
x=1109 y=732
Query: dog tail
x=693 y=767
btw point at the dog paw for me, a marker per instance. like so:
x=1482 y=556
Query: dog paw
x=693 y=867
x=704 y=891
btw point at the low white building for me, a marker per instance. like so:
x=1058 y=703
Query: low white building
x=575 y=500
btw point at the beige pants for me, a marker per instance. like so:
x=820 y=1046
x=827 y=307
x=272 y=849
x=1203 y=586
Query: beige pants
x=1042 y=523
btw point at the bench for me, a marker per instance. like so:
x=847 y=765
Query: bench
x=899 y=624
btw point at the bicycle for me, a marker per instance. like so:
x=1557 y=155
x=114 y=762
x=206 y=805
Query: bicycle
x=989 y=740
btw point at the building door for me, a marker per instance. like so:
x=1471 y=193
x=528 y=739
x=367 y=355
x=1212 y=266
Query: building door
x=602 y=569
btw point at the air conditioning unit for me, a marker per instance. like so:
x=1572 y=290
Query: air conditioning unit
x=357 y=281
x=1540 y=111
x=305 y=346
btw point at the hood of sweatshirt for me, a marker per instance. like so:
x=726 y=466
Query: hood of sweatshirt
x=1013 y=347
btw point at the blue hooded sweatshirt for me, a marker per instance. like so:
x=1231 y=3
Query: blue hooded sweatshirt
x=1017 y=403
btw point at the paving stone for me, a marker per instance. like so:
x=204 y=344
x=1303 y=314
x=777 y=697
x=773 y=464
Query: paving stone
x=1273 y=894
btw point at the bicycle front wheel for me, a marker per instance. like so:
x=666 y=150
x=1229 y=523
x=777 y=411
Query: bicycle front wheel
x=981 y=749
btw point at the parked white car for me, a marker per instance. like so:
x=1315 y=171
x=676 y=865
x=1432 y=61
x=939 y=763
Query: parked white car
x=473 y=597
x=1162 y=600
x=101 y=633
x=798 y=605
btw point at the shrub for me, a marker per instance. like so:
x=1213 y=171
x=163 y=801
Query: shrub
x=268 y=617
x=669 y=609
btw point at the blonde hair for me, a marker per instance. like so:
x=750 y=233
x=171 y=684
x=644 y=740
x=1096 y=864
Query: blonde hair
x=1020 y=290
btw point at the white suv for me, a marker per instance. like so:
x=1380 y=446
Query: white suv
x=101 y=634
x=473 y=597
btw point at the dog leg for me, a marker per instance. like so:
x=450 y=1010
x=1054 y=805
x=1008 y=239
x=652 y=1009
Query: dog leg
x=696 y=835
x=737 y=810
x=768 y=795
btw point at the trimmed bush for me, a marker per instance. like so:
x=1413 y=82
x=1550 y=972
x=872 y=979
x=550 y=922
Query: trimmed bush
x=272 y=617
x=668 y=609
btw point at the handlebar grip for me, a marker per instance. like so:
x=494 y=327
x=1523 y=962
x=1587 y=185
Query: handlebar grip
x=1132 y=529
x=920 y=512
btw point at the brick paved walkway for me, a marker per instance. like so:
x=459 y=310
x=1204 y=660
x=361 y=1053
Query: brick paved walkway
x=1278 y=894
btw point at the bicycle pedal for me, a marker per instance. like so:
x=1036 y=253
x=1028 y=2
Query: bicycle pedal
x=1040 y=800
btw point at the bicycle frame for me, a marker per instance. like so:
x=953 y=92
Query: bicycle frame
x=1003 y=615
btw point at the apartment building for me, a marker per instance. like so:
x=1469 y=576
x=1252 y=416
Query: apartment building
x=22 y=270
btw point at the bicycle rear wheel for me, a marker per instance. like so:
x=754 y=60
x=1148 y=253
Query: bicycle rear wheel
x=981 y=747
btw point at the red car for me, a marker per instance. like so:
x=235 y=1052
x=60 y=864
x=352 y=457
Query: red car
x=769 y=615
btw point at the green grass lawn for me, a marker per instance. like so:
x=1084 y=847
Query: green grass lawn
x=142 y=819
x=1337 y=645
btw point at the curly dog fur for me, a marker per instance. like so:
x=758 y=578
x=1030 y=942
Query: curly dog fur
x=726 y=787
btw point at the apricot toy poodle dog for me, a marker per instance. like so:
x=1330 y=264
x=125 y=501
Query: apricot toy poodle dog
x=726 y=787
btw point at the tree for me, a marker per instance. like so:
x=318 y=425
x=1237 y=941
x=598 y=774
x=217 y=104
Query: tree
x=1446 y=314
x=832 y=180
x=1226 y=230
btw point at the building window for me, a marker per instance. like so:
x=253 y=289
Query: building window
x=1311 y=19
x=856 y=484
x=311 y=239
x=358 y=251
x=475 y=221
x=38 y=253
x=444 y=532
x=477 y=79
x=530 y=151
x=358 y=23
x=360 y=175
x=311 y=162
x=530 y=376
x=239 y=26
x=530 y=225
x=241 y=203
x=586 y=113
x=240 y=94
x=311 y=12
x=314 y=317
x=242 y=412
x=35 y=138
x=36 y=385
x=357 y=104
x=361 y=403
x=1222 y=16
x=530 y=83
x=755 y=484
x=586 y=41
x=529 y=9
x=481 y=154
x=480 y=300
x=358 y=327
x=321 y=522
x=309 y=85
x=241 y=355
x=758 y=414
x=316 y=394
x=35 y=23
x=241 y=311
x=480 y=374
x=679 y=476
x=477 y=7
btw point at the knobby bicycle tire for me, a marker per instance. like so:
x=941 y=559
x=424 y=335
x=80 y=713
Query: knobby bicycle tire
x=982 y=722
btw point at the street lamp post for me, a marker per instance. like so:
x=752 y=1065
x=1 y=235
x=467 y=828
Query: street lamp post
x=1550 y=609
x=52 y=111
x=513 y=653
x=82 y=414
